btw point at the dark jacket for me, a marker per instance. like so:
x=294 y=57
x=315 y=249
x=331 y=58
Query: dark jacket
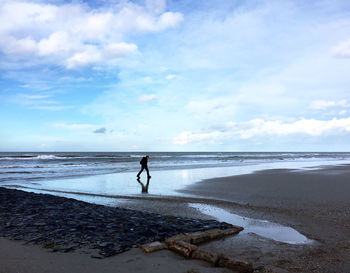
x=144 y=161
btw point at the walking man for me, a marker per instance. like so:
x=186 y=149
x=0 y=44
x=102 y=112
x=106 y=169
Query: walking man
x=144 y=166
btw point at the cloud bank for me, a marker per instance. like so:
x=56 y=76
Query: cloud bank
x=262 y=128
x=76 y=35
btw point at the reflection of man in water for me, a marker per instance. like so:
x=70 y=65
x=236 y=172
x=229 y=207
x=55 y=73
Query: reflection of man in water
x=144 y=166
x=144 y=189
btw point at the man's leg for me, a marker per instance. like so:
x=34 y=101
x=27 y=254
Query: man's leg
x=146 y=167
x=142 y=167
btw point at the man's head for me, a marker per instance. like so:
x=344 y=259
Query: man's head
x=147 y=156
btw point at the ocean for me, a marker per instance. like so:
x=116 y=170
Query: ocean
x=39 y=166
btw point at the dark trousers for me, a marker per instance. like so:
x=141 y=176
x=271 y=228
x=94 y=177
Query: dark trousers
x=143 y=167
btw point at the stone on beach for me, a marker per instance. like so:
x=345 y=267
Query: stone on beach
x=200 y=237
x=239 y=266
x=203 y=255
x=179 y=237
x=183 y=248
x=154 y=246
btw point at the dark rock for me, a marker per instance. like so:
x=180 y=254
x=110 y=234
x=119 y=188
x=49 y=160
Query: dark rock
x=64 y=224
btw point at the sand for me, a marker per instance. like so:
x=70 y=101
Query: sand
x=16 y=257
x=317 y=199
x=315 y=202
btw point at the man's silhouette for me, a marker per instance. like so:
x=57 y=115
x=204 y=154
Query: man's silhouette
x=144 y=166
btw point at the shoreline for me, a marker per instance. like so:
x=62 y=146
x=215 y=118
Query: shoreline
x=313 y=201
x=163 y=183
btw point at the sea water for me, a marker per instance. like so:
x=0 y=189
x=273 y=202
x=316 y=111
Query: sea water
x=114 y=174
x=39 y=166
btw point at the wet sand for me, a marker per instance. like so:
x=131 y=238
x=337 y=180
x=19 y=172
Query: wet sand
x=19 y=258
x=315 y=202
x=316 y=198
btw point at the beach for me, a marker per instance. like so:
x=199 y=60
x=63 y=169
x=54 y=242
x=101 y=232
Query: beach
x=312 y=201
x=315 y=202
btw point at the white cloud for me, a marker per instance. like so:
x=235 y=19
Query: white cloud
x=170 y=77
x=119 y=49
x=134 y=147
x=98 y=25
x=50 y=107
x=57 y=43
x=311 y=127
x=33 y=100
x=156 y=6
x=19 y=47
x=262 y=128
x=147 y=98
x=192 y=137
x=39 y=102
x=74 y=126
x=216 y=108
x=342 y=50
x=134 y=18
x=93 y=54
x=169 y=19
x=34 y=97
x=324 y=104
x=89 y=56
x=74 y=35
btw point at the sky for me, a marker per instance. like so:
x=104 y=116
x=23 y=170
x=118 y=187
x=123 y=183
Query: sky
x=176 y=75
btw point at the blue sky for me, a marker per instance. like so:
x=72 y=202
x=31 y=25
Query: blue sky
x=159 y=75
